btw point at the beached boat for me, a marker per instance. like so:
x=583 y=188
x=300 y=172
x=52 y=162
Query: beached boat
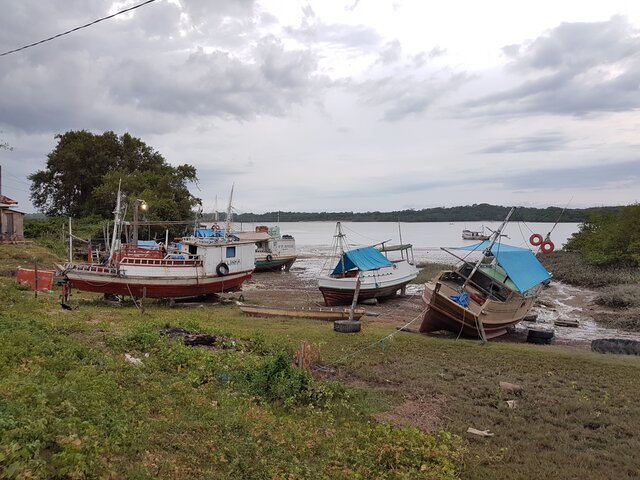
x=273 y=250
x=328 y=314
x=366 y=272
x=475 y=235
x=483 y=299
x=202 y=264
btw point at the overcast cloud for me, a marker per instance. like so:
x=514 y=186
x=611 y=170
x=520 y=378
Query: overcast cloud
x=332 y=106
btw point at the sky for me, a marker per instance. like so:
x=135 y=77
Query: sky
x=355 y=105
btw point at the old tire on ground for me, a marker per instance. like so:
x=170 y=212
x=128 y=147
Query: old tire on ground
x=347 y=326
x=544 y=334
x=539 y=341
x=222 y=269
x=616 y=345
x=540 y=337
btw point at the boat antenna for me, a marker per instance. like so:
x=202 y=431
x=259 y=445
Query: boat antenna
x=487 y=251
x=229 y=211
x=558 y=220
x=116 y=224
x=215 y=211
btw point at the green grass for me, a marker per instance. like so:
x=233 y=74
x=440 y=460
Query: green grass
x=71 y=406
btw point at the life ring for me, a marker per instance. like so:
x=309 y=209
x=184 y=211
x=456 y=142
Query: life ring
x=547 y=246
x=536 y=239
x=269 y=258
x=222 y=269
x=215 y=226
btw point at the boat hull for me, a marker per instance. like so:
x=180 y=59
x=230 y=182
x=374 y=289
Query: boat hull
x=155 y=287
x=382 y=283
x=495 y=317
x=276 y=263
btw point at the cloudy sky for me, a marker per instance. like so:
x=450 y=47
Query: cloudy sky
x=339 y=105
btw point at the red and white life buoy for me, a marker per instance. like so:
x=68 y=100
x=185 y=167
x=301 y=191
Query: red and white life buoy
x=547 y=246
x=536 y=239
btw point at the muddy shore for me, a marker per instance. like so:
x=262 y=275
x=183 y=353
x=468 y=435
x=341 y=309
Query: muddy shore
x=297 y=289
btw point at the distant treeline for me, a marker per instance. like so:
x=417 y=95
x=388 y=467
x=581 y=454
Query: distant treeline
x=477 y=212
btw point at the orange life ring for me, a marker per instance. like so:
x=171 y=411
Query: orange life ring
x=536 y=239
x=547 y=246
x=215 y=227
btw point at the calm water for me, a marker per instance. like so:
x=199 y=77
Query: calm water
x=426 y=238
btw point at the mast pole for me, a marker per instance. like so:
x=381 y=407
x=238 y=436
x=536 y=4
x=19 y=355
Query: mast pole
x=487 y=250
x=228 y=224
x=116 y=224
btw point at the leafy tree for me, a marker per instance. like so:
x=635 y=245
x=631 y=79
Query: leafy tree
x=83 y=171
x=608 y=238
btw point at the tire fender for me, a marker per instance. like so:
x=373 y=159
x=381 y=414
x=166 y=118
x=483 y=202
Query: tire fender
x=222 y=269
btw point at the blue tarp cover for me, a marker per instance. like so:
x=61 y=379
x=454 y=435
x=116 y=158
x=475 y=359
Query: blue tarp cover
x=151 y=244
x=522 y=266
x=461 y=299
x=366 y=258
x=207 y=232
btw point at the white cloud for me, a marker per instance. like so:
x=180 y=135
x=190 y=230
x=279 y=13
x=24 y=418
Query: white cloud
x=339 y=106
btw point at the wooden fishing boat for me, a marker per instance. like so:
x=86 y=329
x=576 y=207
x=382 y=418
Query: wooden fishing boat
x=474 y=235
x=207 y=262
x=485 y=299
x=273 y=250
x=368 y=270
x=328 y=314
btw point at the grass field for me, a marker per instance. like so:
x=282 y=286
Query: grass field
x=73 y=406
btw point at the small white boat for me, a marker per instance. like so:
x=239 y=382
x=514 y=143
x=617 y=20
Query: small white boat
x=475 y=235
x=368 y=271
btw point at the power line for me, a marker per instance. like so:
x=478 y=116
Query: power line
x=77 y=28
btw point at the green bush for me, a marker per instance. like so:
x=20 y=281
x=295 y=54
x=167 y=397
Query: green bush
x=277 y=380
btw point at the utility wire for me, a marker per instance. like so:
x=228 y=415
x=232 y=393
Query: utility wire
x=77 y=28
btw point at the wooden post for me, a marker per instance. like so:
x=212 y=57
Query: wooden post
x=144 y=295
x=35 y=279
x=355 y=297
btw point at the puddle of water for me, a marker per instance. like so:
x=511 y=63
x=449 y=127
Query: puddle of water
x=565 y=302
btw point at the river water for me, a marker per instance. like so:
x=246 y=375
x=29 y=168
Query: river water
x=314 y=242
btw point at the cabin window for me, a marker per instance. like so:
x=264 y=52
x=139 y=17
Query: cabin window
x=231 y=252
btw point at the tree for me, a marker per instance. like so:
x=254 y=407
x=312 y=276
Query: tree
x=608 y=238
x=83 y=170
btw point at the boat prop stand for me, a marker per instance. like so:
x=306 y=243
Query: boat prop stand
x=355 y=297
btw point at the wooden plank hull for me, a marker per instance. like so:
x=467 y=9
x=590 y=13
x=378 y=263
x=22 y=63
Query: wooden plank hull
x=442 y=313
x=314 y=313
x=337 y=296
x=156 y=287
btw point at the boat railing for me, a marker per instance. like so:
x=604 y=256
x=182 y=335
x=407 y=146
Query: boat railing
x=90 y=268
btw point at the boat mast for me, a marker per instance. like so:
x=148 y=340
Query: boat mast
x=228 y=224
x=116 y=223
x=487 y=251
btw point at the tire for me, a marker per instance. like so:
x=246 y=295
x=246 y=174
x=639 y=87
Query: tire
x=543 y=334
x=269 y=258
x=222 y=269
x=616 y=345
x=347 y=326
x=539 y=341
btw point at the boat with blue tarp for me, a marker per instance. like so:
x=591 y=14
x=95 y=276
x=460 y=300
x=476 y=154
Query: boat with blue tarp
x=482 y=299
x=366 y=272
